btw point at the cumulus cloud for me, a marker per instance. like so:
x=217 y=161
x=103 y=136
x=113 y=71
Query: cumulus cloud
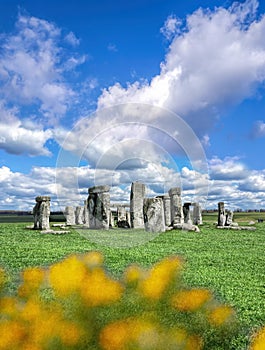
x=171 y=27
x=17 y=137
x=68 y=185
x=216 y=60
x=32 y=66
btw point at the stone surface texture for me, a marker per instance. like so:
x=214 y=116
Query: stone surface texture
x=136 y=205
x=154 y=218
x=197 y=214
x=69 y=214
x=221 y=214
x=177 y=216
x=41 y=213
x=79 y=215
x=99 y=207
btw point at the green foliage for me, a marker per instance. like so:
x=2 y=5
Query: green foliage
x=230 y=263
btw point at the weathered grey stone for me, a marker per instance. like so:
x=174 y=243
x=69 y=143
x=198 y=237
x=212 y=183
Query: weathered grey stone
x=69 y=214
x=99 y=207
x=154 y=218
x=186 y=213
x=41 y=213
x=167 y=209
x=79 y=215
x=128 y=217
x=187 y=227
x=229 y=217
x=99 y=189
x=86 y=213
x=221 y=214
x=197 y=214
x=111 y=219
x=177 y=216
x=122 y=217
x=136 y=205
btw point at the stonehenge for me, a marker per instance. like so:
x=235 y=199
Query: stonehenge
x=157 y=214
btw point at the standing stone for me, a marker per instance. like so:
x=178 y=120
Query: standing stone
x=186 y=213
x=79 y=215
x=41 y=212
x=177 y=216
x=99 y=207
x=86 y=213
x=121 y=217
x=167 y=209
x=154 y=218
x=111 y=219
x=229 y=217
x=221 y=214
x=197 y=214
x=69 y=214
x=128 y=217
x=136 y=205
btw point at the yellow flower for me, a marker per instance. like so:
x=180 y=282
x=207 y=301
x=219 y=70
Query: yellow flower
x=190 y=300
x=31 y=310
x=114 y=336
x=8 y=306
x=193 y=343
x=32 y=279
x=159 y=277
x=99 y=289
x=93 y=259
x=133 y=274
x=70 y=333
x=129 y=334
x=259 y=341
x=68 y=276
x=220 y=315
x=12 y=334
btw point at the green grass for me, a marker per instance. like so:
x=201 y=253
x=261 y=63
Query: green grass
x=230 y=263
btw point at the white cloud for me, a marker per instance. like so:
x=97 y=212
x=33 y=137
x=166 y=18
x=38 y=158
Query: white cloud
x=72 y=39
x=22 y=138
x=32 y=67
x=217 y=60
x=171 y=27
x=19 y=190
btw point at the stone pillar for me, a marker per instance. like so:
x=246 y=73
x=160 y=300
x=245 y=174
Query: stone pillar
x=197 y=214
x=128 y=217
x=186 y=213
x=69 y=214
x=167 y=210
x=41 y=213
x=86 y=213
x=136 y=205
x=221 y=214
x=229 y=217
x=111 y=219
x=79 y=215
x=154 y=218
x=99 y=207
x=177 y=216
x=121 y=217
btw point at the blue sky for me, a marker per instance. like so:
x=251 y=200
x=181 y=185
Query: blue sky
x=107 y=92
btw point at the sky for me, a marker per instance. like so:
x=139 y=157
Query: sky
x=169 y=93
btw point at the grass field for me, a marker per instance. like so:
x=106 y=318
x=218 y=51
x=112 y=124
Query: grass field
x=230 y=263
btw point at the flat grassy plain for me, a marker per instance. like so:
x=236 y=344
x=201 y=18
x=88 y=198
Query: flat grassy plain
x=230 y=263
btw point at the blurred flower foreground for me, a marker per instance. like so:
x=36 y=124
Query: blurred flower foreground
x=75 y=304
